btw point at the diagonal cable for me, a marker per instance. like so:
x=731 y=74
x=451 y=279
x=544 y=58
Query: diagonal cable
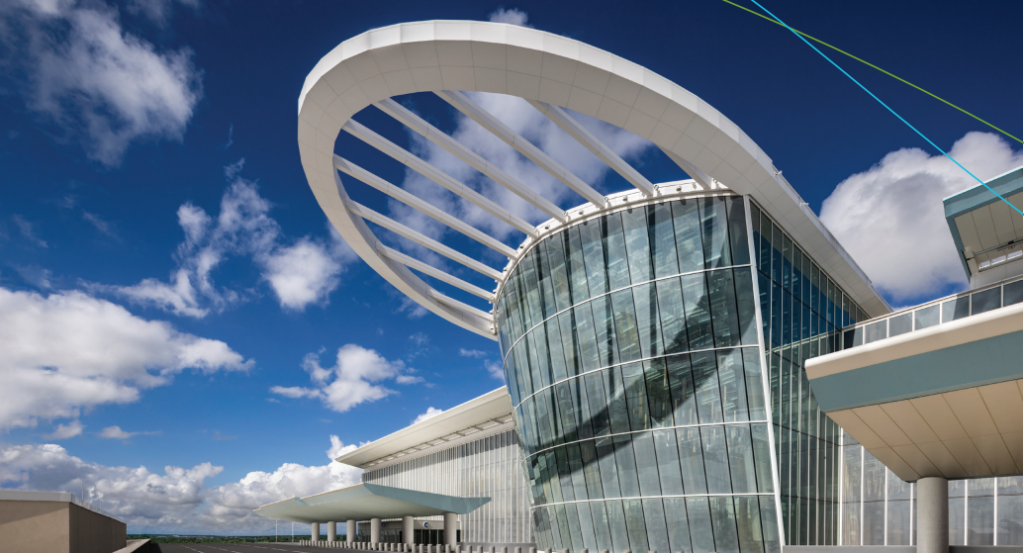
x=886 y=106
x=873 y=66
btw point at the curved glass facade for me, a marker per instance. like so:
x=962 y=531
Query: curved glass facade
x=631 y=352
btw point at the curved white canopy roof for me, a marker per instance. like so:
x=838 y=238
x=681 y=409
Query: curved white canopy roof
x=551 y=72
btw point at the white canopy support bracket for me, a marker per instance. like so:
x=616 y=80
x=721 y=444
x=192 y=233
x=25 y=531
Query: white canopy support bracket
x=434 y=272
x=419 y=238
x=474 y=111
x=469 y=157
x=700 y=176
x=452 y=302
x=592 y=143
x=420 y=205
x=427 y=170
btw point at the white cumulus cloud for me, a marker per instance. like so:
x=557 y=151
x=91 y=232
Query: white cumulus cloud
x=68 y=352
x=65 y=431
x=115 y=433
x=96 y=82
x=512 y=16
x=357 y=377
x=891 y=219
x=300 y=272
x=178 y=499
x=430 y=413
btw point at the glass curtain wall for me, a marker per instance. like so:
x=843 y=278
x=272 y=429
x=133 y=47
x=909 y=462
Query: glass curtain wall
x=632 y=357
x=487 y=467
x=802 y=314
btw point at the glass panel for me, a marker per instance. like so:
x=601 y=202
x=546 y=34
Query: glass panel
x=723 y=309
x=654 y=520
x=898 y=515
x=684 y=408
x=874 y=332
x=762 y=458
x=731 y=379
x=956 y=308
x=701 y=534
x=716 y=235
x=957 y=512
x=604 y=331
x=738 y=231
x=668 y=462
x=688 y=236
x=901 y=324
x=705 y=375
x=636 y=396
x=986 y=300
x=663 y=241
x=678 y=528
x=591 y=469
x=554 y=344
x=1012 y=293
x=716 y=459
x=724 y=519
x=658 y=397
x=874 y=501
x=645 y=300
x=625 y=326
x=602 y=526
x=927 y=317
x=980 y=515
x=577 y=269
x=673 y=318
x=646 y=464
x=570 y=344
x=698 y=318
x=609 y=474
x=615 y=252
x=745 y=305
x=748 y=522
x=691 y=461
x=593 y=254
x=625 y=461
x=598 y=404
x=1010 y=511
x=741 y=459
x=617 y=522
x=851 y=493
x=634 y=222
x=635 y=524
x=769 y=525
x=617 y=409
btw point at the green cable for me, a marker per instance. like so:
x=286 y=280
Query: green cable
x=823 y=43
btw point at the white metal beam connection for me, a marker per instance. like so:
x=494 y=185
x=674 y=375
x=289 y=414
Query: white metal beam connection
x=475 y=112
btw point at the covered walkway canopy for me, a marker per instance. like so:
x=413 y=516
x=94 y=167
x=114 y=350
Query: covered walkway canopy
x=369 y=501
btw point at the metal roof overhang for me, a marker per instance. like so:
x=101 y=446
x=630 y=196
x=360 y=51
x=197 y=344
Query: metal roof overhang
x=366 y=501
x=943 y=401
x=984 y=228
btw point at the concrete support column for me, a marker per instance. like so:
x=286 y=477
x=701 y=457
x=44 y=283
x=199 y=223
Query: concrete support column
x=408 y=530
x=332 y=531
x=314 y=531
x=933 y=515
x=375 y=530
x=350 y=531
x=451 y=523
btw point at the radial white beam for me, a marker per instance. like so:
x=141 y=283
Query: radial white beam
x=439 y=297
x=592 y=143
x=433 y=173
x=469 y=157
x=419 y=238
x=485 y=119
x=420 y=205
x=422 y=267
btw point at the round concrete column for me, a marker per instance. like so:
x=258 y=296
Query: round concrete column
x=375 y=530
x=314 y=531
x=933 y=515
x=332 y=531
x=350 y=531
x=408 y=530
x=451 y=526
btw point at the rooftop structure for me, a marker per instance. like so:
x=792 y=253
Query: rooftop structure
x=987 y=233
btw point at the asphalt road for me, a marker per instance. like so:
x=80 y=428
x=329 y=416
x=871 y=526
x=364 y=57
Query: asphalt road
x=236 y=548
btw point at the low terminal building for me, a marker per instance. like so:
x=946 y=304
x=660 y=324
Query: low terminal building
x=45 y=522
x=693 y=366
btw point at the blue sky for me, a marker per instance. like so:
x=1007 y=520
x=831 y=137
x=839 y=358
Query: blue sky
x=179 y=318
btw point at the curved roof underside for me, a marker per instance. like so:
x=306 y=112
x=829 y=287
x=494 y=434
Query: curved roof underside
x=552 y=73
x=366 y=501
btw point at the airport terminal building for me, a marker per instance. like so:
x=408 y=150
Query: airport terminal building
x=693 y=366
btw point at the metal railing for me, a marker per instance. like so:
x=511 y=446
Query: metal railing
x=934 y=313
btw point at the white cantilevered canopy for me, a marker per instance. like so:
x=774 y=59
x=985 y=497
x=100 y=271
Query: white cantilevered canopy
x=366 y=501
x=554 y=74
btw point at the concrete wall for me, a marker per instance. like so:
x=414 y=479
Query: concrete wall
x=35 y=526
x=57 y=527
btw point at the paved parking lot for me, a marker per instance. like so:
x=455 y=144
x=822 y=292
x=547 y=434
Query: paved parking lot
x=237 y=548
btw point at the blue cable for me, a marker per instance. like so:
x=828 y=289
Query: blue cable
x=1013 y=207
